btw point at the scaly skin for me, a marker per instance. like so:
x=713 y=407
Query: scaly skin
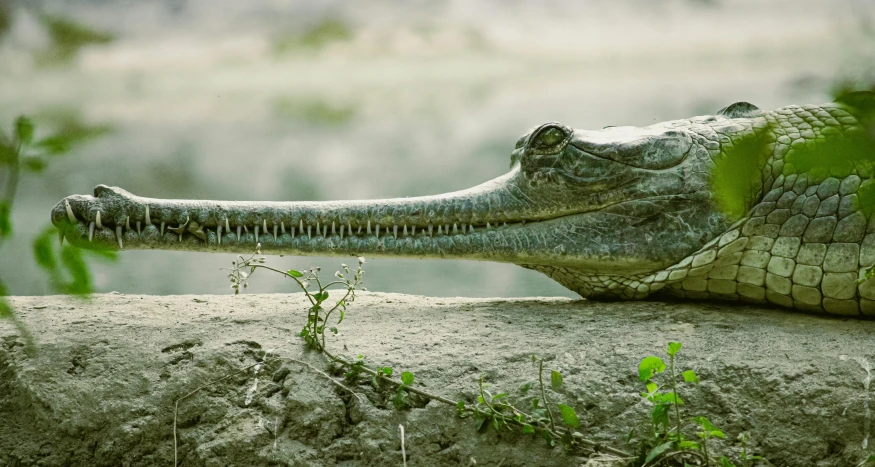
x=618 y=213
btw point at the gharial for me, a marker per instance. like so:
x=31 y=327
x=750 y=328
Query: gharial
x=751 y=205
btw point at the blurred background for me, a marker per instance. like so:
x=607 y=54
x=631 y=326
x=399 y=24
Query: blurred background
x=304 y=100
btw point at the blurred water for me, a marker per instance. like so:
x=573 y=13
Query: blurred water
x=287 y=100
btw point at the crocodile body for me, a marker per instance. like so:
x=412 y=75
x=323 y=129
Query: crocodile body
x=750 y=205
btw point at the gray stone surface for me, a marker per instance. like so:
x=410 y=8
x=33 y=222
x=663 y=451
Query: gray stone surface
x=100 y=388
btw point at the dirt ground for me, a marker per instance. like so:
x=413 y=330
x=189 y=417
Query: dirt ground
x=99 y=388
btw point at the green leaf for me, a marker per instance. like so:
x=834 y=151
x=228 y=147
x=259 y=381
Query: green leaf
x=5 y=219
x=43 y=252
x=651 y=387
x=387 y=370
x=71 y=258
x=674 y=348
x=333 y=330
x=724 y=462
x=294 y=273
x=650 y=366
x=407 y=378
x=525 y=387
x=671 y=398
x=5 y=308
x=528 y=429
x=656 y=451
x=34 y=164
x=704 y=424
x=460 y=405
x=690 y=376
x=24 y=128
x=569 y=416
x=555 y=380
x=688 y=445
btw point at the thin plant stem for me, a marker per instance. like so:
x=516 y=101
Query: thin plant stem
x=544 y=394
x=674 y=388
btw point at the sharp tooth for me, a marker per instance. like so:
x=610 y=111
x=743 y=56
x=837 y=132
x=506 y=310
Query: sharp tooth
x=283 y=227
x=309 y=231
x=440 y=229
x=256 y=233
x=378 y=231
x=447 y=229
x=349 y=227
x=429 y=230
x=471 y=227
x=138 y=229
x=61 y=237
x=456 y=229
x=162 y=229
x=245 y=229
x=118 y=235
x=274 y=231
x=97 y=220
x=317 y=228
x=293 y=233
x=332 y=228
x=324 y=231
x=301 y=226
x=227 y=225
x=505 y=224
x=413 y=230
x=264 y=229
x=488 y=226
x=360 y=229
x=219 y=234
x=405 y=230
x=369 y=226
x=70 y=215
x=341 y=230
x=128 y=222
x=148 y=219
x=394 y=231
x=238 y=232
x=90 y=231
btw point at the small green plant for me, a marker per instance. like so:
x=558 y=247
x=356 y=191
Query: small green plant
x=667 y=441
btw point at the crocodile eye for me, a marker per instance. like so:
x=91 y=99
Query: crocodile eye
x=550 y=137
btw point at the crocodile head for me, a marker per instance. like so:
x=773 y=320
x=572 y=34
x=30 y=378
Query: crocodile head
x=580 y=206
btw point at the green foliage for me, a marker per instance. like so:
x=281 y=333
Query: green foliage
x=68 y=37
x=667 y=438
x=737 y=172
x=838 y=152
x=672 y=439
x=315 y=37
x=5 y=19
x=65 y=265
